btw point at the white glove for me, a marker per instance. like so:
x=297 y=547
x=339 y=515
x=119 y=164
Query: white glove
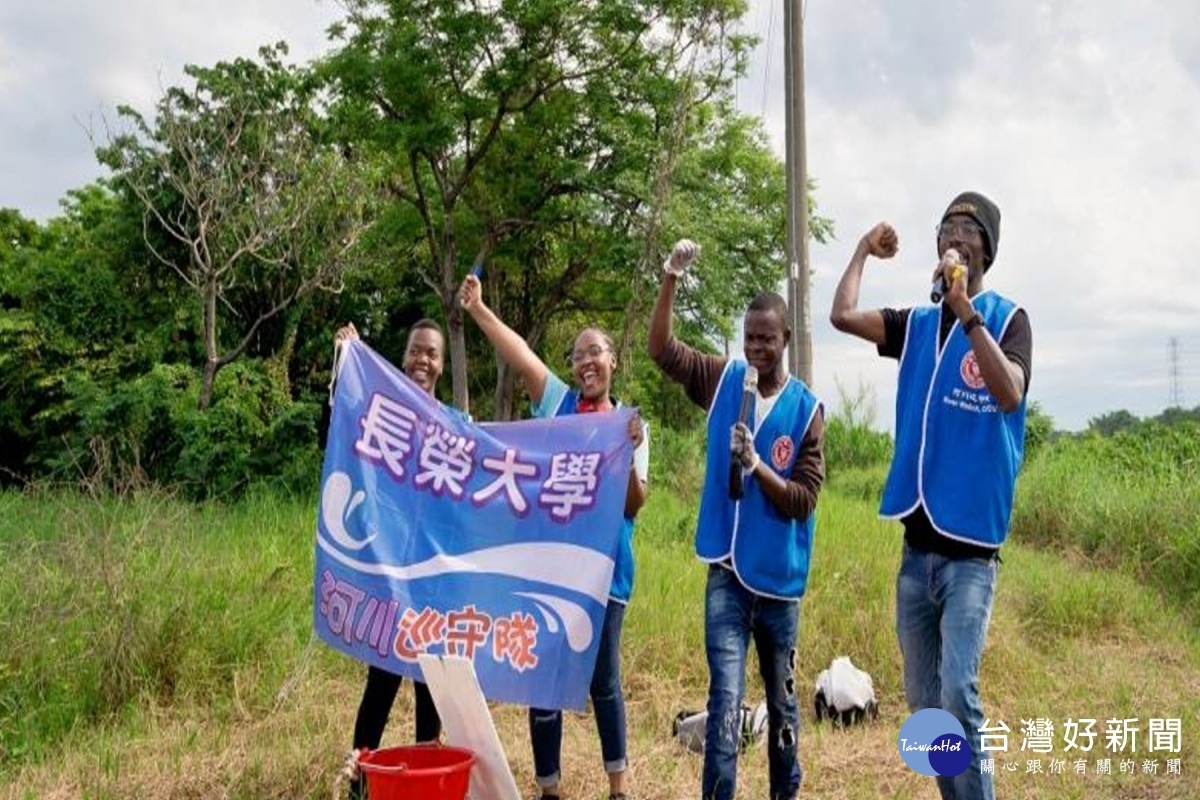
x=682 y=256
x=741 y=446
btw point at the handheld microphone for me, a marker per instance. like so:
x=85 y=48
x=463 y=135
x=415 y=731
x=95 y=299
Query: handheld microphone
x=950 y=259
x=737 y=486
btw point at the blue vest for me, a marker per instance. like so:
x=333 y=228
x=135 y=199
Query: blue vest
x=769 y=552
x=622 y=581
x=957 y=452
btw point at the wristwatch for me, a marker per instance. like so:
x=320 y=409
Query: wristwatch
x=974 y=322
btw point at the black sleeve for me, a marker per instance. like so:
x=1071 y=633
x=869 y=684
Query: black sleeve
x=895 y=326
x=1017 y=344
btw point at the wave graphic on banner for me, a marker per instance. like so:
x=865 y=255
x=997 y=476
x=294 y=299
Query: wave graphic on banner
x=577 y=624
x=560 y=564
x=338 y=501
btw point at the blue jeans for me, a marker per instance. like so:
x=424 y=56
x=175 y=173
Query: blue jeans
x=732 y=614
x=942 y=610
x=608 y=704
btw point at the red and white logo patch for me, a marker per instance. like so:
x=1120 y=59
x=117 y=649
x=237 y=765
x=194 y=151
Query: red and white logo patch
x=781 y=452
x=969 y=370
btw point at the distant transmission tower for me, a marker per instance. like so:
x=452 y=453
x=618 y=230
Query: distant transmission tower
x=1176 y=388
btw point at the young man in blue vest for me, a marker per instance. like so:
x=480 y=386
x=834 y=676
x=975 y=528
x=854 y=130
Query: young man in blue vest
x=960 y=432
x=758 y=545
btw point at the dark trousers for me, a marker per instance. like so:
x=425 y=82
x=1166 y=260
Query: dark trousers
x=376 y=706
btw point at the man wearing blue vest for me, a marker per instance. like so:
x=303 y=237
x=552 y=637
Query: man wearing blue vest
x=755 y=530
x=960 y=431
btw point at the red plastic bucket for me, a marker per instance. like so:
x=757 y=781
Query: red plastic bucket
x=417 y=772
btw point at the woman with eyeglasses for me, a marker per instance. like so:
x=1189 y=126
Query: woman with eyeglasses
x=592 y=362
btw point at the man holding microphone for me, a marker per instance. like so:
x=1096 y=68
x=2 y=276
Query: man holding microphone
x=757 y=518
x=960 y=431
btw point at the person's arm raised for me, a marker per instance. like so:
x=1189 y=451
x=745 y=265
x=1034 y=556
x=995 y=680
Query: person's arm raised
x=515 y=351
x=661 y=319
x=881 y=242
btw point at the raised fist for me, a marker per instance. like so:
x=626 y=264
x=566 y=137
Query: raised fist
x=470 y=294
x=681 y=258
x=882 y=241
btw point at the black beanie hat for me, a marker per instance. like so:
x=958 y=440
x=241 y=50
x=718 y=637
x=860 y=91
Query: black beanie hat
x=983 y=211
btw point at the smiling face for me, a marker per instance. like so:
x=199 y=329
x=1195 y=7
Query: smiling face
x=964 y=234
x=593 y=363
x=423 y=358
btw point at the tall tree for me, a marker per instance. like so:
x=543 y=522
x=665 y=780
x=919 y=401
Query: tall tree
x=241 y=189
x=1112 y=422
x=77 y=306
x=537 y=123
x=730 y=194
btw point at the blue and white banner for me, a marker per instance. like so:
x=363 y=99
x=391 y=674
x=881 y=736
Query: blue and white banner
x=493 y=542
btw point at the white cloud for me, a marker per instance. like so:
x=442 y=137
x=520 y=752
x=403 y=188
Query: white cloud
x=64 y=65
x=1075 y=117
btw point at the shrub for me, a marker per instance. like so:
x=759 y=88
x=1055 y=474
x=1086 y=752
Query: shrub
x=125 y=435
x=219 y=453
x=1039 y=430
x=1130 y=501
x=850 y=441
x=850 y=445
x=148 y=431
x=677 y=460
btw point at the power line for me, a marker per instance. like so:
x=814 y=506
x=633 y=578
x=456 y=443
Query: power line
x=767 y=67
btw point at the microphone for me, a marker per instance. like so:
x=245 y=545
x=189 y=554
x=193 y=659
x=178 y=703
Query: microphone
x=950 y=259
x=737 y=486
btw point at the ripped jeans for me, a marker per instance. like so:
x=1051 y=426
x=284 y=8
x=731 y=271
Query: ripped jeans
x=732 y=614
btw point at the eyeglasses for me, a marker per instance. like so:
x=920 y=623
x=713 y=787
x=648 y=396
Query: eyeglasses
x=595 y=351
x=964 y=229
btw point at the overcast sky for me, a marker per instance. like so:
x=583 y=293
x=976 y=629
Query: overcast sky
x=1080 y=119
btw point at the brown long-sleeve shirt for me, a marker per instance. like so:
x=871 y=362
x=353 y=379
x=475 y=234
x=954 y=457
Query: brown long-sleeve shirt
x=700 y=375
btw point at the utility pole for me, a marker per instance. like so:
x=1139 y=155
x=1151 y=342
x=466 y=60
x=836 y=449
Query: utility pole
x=800 y=351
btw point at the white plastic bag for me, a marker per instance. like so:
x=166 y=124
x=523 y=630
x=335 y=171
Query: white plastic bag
x=845 y=693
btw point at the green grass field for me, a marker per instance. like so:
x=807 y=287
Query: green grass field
x=155 y=649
